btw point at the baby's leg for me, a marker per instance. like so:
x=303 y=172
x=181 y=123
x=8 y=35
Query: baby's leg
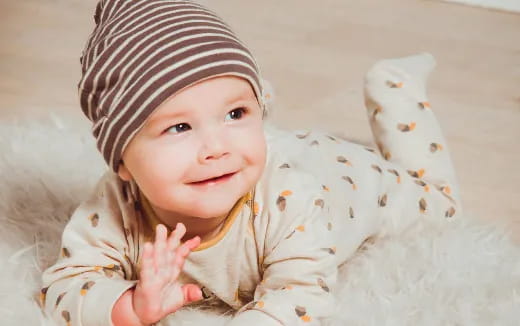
x=404 y=126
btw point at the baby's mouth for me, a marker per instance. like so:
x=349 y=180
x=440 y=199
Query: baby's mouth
x=218 y=179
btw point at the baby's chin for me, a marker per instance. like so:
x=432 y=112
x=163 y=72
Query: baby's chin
x=208 y=210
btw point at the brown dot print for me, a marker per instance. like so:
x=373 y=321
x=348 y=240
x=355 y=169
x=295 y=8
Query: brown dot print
x=323 y=285
x=387 y=156
x=86 y=287
x=382 y=200
x=315 y=143
x=66 y=315
x=331 y=250
x=324 y=187
x=406 y=127
x=394 y=172
x=376 y=111
x=417 y=174
x=392 y=84
x=319 y=203
x=43 y=295
x=423 y=184
x=446 y=190
x=94 y=219
x=422 y=205
x=65 y=252
x=371 y=150
x=302 y=136
x=284 y=166
x=349 y=180
x=287 y=287
x=260 y=304
x=450 y=212
x=59 y=298
x=343 y=160
x=300 y=228
x=302 y=313
x=256 y=208
x=377 y=168
x=351 y=212
x=281 y=201
x=111 y=269
x=424 y=105
x=329 y=226
x=435 y=147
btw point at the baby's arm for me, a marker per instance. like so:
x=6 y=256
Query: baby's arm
x=299 y=267
x=158 y=293
x=409 y=137
x=94 y=267
x=94 y=272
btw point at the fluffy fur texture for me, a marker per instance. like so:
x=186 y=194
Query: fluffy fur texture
x=461 y=273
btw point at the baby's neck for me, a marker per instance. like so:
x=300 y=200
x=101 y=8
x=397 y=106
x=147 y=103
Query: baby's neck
x=205 y=228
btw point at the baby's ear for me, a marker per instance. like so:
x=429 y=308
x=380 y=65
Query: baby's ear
x=268 y=96
x=123 y=172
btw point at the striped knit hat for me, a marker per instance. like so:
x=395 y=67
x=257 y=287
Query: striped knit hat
x=143 y=51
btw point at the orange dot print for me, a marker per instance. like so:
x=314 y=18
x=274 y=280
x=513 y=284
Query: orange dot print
x=286 y=193
x=306 y=318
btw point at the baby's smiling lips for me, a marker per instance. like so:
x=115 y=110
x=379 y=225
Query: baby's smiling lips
x=214 y=180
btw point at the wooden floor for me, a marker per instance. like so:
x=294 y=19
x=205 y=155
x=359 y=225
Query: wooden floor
x=316 y=54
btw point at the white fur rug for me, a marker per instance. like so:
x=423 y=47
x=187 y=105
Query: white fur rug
x=461 y=273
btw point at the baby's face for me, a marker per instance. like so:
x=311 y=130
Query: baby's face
x=208 y=130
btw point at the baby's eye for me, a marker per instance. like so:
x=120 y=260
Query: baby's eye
x=236 y=113
x=178 y=128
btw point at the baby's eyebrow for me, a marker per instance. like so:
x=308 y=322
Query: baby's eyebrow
x=170 y=115
x=242 y=96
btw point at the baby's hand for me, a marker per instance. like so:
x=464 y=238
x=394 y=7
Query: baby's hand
x=158 y=293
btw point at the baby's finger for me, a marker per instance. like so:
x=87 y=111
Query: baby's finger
x=176 y=236
x=160 y=247
x=183 y=251
x=192 y=243
x=191 y=293
x=147 y=265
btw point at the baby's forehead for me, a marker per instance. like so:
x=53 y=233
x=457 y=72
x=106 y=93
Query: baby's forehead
x=211 y=101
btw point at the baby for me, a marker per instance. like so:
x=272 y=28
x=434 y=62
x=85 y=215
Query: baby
x=207 y=205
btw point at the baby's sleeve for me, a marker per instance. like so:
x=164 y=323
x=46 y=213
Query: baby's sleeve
x=93 y=269
x=299 y=265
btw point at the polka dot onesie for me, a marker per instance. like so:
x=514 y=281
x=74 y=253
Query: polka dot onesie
x=275 y=260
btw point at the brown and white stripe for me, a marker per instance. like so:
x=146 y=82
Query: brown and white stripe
x=143 y=51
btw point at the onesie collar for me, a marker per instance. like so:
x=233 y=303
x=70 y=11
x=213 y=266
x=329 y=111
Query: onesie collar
x=153 y=220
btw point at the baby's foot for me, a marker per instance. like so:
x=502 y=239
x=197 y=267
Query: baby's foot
x=408 y=74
